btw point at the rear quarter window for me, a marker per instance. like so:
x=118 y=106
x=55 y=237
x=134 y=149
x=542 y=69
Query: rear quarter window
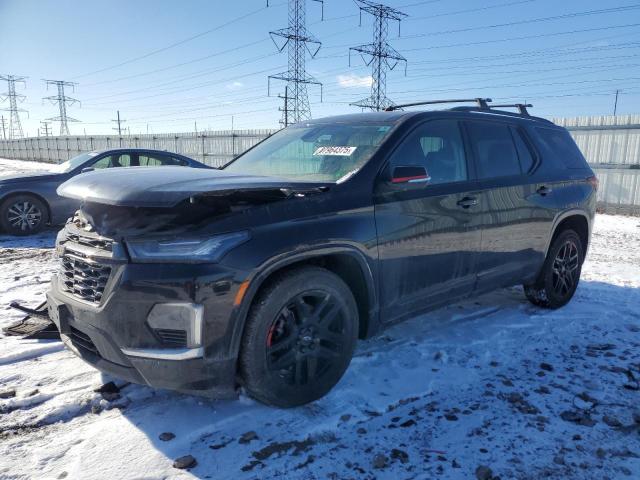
x=557 y=144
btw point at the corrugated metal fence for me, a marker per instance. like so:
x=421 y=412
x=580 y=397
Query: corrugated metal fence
x=610 y=144
x=212 y=148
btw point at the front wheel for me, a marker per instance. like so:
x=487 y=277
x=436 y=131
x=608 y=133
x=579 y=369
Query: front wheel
x=560 y=273
x=23 y=215
x=299 y=338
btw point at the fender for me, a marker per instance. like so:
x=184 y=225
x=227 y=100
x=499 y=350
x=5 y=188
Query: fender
x=563 y=215
x=258 y=277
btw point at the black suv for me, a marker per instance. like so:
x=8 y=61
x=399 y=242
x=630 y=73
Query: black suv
x=264 y=273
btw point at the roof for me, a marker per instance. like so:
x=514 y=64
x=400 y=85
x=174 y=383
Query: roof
x=398 y=116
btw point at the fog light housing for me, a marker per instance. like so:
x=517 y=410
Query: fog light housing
x=177 y=324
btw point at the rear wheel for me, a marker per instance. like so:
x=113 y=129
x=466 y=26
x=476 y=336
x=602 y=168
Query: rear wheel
x=299 y=338
x=23 y=215
x=560 y=274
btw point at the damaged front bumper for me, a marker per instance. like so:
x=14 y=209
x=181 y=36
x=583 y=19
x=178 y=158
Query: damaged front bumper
x=163 y=325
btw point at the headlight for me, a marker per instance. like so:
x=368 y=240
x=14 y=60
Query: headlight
x=185 y=250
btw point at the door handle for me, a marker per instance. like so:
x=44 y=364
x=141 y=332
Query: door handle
x=544 y=190
x=467 y=202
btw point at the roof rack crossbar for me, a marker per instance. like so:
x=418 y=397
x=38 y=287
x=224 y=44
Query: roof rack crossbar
x=522 y=107
x=483 y=103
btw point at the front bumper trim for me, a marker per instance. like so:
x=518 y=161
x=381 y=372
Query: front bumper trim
x=165 y=353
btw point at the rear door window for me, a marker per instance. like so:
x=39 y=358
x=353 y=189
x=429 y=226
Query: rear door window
x=156 y=160
x=113 y=161
x=558 y=144
x=495 y=151
x=527 y=160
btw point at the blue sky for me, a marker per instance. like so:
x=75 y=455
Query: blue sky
x=505 y=49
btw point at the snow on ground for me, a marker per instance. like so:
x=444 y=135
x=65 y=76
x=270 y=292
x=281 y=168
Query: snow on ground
x=492 y=382
x=8 y=167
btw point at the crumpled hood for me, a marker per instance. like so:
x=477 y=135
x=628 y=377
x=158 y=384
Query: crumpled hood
x=25 y=177
x=167 y=186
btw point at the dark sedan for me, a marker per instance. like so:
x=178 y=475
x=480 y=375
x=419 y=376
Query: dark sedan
x=29 y=201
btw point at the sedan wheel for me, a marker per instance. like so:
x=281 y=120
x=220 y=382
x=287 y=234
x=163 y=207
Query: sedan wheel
x=23 y=215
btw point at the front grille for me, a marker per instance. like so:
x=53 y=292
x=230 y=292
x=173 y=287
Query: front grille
x=81 y=340
x=82 y=279
x=174 y=338
x=86 y=262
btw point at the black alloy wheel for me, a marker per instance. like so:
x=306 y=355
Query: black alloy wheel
x=305 y=338
x=299 y=337
x=560 y=274
x=565 y=267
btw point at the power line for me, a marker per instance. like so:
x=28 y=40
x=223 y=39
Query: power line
x=527 y=21
x=177 y=65
x=381 y=56
x=298 y=41
x=15 y=127
x=471 y=10
x=62 y=100
x=175 y=44
x=183 y=89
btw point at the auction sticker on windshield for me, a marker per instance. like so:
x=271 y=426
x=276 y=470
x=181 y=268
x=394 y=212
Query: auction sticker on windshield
x=335 y=151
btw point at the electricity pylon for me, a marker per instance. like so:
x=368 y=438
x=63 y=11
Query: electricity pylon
x=62 y=100
x=15 y=127
x=298 y=40
x=379 y=54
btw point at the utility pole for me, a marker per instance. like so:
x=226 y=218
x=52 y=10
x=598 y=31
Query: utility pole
x=4 y=127
x=119 y=123
x=285 y=108
x=62 y=100
x=299 y=41
x=379 y=54
x=615 y=105
x=15 y=127
x=46 y=127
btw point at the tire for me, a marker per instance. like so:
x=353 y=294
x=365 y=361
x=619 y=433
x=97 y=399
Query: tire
x=560 y=273
x=23 y=215
x=299 y=338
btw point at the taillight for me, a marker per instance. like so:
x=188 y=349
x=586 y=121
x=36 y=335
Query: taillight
x=594 y=182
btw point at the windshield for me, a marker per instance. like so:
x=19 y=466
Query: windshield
x=73 y=163
x=313 y=153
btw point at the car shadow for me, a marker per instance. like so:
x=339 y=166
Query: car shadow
x=436 y=353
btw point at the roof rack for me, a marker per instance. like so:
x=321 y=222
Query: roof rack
x=522 y=107
x=483 y=103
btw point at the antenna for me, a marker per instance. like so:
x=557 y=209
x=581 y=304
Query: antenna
x=15 y=127
x=62 y=100
x=299 y=41
x=379 y=54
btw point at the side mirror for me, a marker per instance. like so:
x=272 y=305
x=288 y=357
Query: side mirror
x=409 y=174
x=87 y=169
